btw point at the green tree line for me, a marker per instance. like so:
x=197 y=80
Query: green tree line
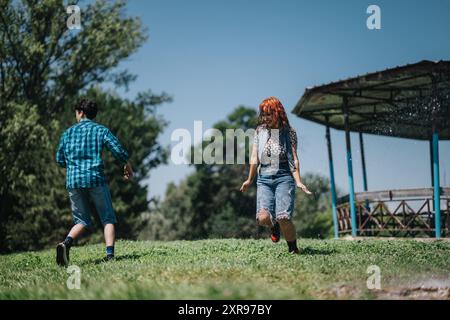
x=208 y=203
x=44 y=69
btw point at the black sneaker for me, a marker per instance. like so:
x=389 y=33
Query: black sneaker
x=62 y=254
x=109 y=257
x=292 y=247
x=275 y=232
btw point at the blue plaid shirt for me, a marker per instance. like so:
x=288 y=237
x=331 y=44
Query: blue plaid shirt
x=80 y=151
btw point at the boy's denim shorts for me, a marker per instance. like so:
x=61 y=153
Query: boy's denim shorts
x=276 y=193
x=80 y=201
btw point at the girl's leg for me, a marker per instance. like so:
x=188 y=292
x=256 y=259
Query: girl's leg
x=288 y=229
x=284 y=203
x=289 y=233
x=263 y=218
x=265 y=201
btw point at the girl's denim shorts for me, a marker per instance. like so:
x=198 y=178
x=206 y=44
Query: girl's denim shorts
x=276 y=193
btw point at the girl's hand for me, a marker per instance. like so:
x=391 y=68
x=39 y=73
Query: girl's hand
x=247 y=183
x=303 y=187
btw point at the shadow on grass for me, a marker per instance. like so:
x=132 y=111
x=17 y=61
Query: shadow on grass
x=117 y=258
x=311 y=251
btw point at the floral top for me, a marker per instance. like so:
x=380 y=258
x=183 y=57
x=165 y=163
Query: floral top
x=273 y=148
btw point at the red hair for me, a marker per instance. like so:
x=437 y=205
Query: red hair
x=272 y=113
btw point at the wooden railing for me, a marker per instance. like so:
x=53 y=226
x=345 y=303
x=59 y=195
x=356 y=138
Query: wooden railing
x=400 y=212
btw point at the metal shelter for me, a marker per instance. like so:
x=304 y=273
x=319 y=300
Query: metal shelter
x=410 y=101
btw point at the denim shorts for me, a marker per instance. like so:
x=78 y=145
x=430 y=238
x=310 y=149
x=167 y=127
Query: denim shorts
x=80 y=201
x=276 y=193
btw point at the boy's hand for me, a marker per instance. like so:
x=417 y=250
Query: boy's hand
x=127 y=171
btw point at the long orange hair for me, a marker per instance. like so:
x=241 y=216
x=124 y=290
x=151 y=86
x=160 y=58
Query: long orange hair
x=272 y=114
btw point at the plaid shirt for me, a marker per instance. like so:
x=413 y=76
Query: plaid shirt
x=80 y=151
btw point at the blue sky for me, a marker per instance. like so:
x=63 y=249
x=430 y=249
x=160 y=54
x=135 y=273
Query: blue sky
x=212 y=56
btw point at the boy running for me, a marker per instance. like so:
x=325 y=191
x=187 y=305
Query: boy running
x=80 y=150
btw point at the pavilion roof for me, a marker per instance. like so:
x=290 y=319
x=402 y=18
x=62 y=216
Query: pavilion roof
x=399 y=102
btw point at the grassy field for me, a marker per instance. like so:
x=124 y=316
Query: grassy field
x=235 y=269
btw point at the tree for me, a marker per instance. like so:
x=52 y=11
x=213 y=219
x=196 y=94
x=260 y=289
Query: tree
x=46 y=64
x=214 y=189
x=29 y=211
x=44 y=67
x=173 y=217
x=208 y=202
x=313 y=214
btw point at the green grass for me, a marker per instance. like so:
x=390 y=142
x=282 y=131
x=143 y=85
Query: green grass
x=224 y=269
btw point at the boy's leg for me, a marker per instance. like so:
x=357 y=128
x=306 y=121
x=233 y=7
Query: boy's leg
x=103 y=204
x=110 y=238
x=81 y=217
x=76 y=231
